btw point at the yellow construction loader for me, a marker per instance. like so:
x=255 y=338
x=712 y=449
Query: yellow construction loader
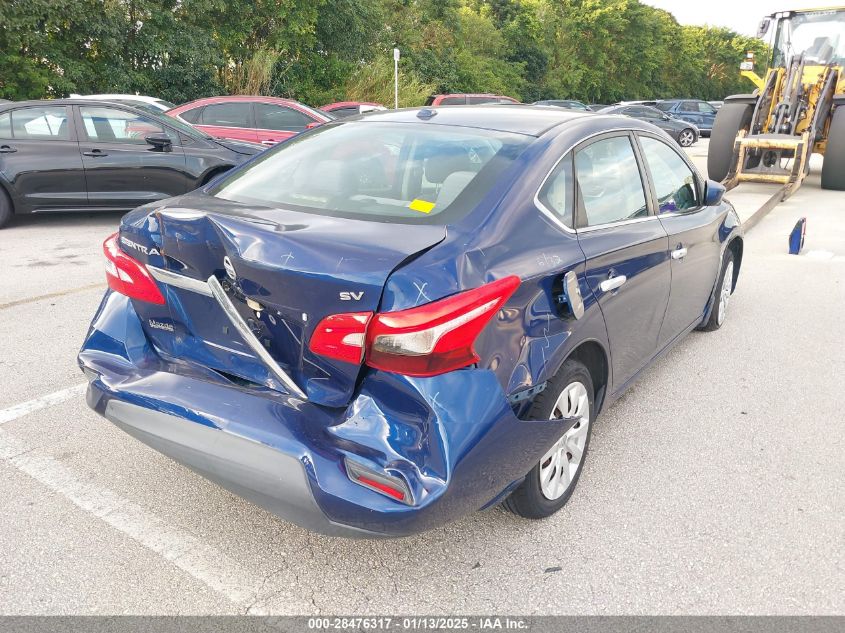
x=796 y=110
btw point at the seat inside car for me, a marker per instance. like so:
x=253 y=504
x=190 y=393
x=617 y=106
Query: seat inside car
x=450 y=171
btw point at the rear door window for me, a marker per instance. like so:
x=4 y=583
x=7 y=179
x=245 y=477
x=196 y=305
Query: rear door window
x=238 y=114
x=41 y=123
x=453 y=101
x=609 y=183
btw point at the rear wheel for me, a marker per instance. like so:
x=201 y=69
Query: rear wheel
x=6 y=209
x=548 y=486
x=686 y=138
x=833 y=168
x=732 y=118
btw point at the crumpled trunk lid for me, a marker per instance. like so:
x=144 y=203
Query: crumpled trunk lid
x=281 y=271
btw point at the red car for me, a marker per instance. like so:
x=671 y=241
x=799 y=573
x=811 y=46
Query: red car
x=265 y=120
x=343 y=109
x=467 y=99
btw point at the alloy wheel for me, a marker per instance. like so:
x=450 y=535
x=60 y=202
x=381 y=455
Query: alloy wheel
x=560 y=464
x=725 y=292
x=686 y=138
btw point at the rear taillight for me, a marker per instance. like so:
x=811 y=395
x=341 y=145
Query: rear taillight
x=128 y=276
x=424 y=341
x=341 y=336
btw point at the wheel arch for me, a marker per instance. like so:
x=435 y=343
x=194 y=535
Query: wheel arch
x=212 y=173
x=594 y=357
x=736 y=246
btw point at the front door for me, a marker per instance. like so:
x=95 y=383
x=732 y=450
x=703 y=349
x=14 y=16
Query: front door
x=626 y=251
x=39 y=158
x=122 y=170
x=693 y=229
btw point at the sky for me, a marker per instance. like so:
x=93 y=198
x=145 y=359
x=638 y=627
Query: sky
x=740 y=15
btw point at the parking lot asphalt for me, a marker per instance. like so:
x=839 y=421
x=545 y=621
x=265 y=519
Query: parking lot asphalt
x=715 y=486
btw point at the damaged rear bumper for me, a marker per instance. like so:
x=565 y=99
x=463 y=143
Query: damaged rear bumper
x=453 y=438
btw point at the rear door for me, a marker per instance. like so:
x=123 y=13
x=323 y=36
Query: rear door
x=626 y=250
x=122 y=170
x=693 y=229
x=39 y=157
x=228 y=120
x=707 y=115
x=275 y=123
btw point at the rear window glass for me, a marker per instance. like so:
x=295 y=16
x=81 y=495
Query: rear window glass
x=665 y=106
x=388 y=172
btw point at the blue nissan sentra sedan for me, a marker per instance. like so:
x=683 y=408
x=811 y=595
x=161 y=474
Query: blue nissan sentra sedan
x=391 y=321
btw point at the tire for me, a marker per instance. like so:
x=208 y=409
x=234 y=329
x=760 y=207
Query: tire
x=724 y=289
x=573 y=385
x=686 y=137
x=732 y=118
x=6 y=209
x=833 y=168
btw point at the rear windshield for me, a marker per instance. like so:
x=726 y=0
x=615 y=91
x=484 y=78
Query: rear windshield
x=390 y=172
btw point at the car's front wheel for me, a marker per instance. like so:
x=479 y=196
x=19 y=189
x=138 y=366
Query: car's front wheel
x=6 y=209
x=550 y=483
x=686 y=138
x=723 y=294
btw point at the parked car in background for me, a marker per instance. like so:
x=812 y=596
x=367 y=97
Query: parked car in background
x=400 y=319
x=266 y=120
x=142 y=102
x=343 y=109
x=467 y=99
x=683 y=132
x=696 y=111
x=78 y=154
x=716 y=104
x=569 y=104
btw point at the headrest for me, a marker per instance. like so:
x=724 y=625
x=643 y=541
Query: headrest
x=447 y=161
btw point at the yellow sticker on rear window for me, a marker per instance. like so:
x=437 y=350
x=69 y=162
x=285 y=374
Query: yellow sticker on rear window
x=423 y=206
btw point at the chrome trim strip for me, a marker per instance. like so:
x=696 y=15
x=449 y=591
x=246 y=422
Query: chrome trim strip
x=609 y=225
x=180 y=281
x=255 y=345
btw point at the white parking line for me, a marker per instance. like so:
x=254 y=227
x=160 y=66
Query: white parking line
x=25 y=408
x=201 y=561
x=205 y=563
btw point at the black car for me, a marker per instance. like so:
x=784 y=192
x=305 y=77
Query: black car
x=74 y=154
x=682 y=131
x=696 y=111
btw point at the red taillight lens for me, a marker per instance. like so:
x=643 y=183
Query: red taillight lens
x=424 y=341
x=128 y=276
x=341 y=336
x=436 y=337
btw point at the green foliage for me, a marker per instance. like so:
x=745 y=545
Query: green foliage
x=326 y=50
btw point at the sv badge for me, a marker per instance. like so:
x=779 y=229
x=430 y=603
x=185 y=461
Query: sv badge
x=351 y=296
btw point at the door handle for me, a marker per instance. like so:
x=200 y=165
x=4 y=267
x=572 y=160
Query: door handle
x=5 y=149
x=679 y=253
x=269 y=142
x=613 y=283
x=95 y=153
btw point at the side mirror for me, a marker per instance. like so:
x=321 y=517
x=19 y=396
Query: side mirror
x=763 y=27
x=160 y=142
x=666 y=117
x=312 y=125
x=713 y=193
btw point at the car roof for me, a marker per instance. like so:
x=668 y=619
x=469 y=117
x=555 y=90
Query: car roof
x=347 y=104
x=516 y=118
x=71 y=101
x=128 y=97
x=238 y=98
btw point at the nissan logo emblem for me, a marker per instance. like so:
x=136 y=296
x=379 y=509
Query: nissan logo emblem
x=230 y=270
